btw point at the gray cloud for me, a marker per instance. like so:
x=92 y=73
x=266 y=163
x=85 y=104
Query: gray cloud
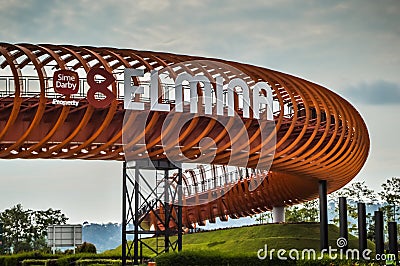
x=377 y=93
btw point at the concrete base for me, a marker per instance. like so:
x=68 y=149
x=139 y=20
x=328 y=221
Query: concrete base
x=278 y=214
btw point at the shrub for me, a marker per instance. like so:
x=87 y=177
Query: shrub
x=87 y=262
x=203 y=257
x=86 y=248
x=214 y=258
x=22 y=247
x=37 y=258
x=29 y=262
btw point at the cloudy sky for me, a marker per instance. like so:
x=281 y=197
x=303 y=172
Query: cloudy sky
x=351 y=47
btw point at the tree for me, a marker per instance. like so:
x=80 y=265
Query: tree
x=293 y=215
x=41 y=220
x=390 y=195
x=263 y=217
x=354 y=193
x=305 y=212
x=357 y=192
x=311 y=211
x=25 y=230
x=16 y=227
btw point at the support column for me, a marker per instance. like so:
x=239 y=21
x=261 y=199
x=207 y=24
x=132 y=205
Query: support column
x=323 y=215
x=344 y=232
x=362 y=227
x=393 y=246
x=166 y=210
x=278 y=214
x=139 y=203
x=136 y=225
x=379 y=237
x=124 y=192
x=180 y=203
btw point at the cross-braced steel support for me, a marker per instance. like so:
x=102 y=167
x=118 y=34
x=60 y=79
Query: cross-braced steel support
x=148 y=200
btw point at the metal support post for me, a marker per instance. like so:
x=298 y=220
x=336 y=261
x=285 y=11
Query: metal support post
x=379 y=237
x=180 y=203
x=362 y=227
x=136 y=215
x=166 y=210
x=393 y=246
x=124 y=195
x=344 y=233
x=323 y=215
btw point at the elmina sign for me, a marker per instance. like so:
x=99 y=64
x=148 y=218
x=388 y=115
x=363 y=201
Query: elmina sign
x=253 y=99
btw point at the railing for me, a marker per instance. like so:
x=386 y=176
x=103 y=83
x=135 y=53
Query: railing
x=30 y=87
x=212 y=182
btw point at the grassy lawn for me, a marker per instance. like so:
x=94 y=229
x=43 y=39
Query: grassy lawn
x=252 y=238
x=234 y=246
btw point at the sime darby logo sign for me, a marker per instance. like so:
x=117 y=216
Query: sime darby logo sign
x=66 y=82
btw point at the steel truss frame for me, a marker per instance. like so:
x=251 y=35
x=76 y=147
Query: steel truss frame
x=137 y=204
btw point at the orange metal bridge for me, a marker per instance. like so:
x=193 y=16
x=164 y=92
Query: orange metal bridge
x=319 y=135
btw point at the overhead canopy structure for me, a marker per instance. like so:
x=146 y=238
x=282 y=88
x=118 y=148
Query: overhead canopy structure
x=319 y=135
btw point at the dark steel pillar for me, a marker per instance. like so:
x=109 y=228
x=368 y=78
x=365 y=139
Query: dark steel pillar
x=362 y=227
x=344 y=233
x=166 y=210
x=180 y=203
x=124 y=192
x=141 y=252
x=136 y=225
x=393 y=246
x=323 y=215
x=379 y=237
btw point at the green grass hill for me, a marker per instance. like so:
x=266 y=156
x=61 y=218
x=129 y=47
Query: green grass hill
x=249 y=239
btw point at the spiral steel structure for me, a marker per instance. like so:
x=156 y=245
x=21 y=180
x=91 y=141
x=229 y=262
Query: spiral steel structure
x=319 y=135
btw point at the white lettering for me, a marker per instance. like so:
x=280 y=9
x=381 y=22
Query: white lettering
x=63 y=102
x=260 y=102
x=294 y=254
x=333 y=255
x=237 y=82
x=179 y=90
x=130 y=90
x=62 y=77
x=260 y=251
x=65 y=85
x=261 y=99
x=366 y=254
x=219 y=82
x=154 y=94
x=281 y=254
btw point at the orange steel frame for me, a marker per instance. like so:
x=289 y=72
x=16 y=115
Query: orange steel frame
x=325 y=138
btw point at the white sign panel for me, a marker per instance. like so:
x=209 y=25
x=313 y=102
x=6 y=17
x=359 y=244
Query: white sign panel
x=66 y=235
